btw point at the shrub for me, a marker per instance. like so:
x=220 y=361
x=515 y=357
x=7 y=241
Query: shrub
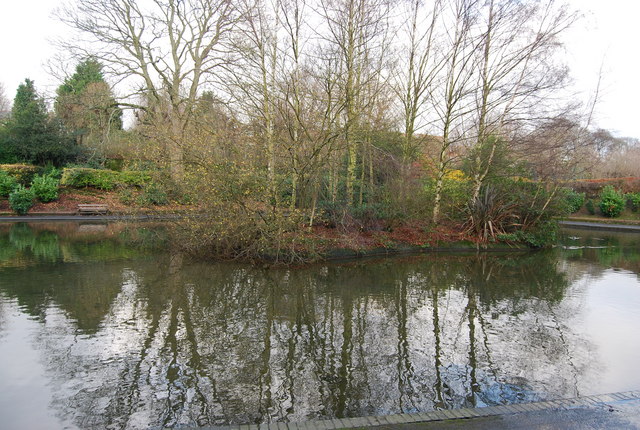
x=612 y=202
x=82 y=177
x=51 y=170
x=23 y=173
x=543 y=235
x=125 y=196
x=133 y=178
x=21 y=199
x=574 y=200
x=7 y=183
x=45 y=188
x=590 y=207
x=634 y=201
x=153 y=195
x=515 y=210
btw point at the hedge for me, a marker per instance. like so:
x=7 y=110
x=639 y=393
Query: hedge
x=82 y=177
x=23 y=173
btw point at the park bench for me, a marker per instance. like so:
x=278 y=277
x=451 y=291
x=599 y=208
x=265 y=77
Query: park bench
x=92 y=209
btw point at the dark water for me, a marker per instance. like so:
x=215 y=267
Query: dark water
x=103 y=326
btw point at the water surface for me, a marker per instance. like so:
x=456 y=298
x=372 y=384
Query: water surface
x=105 y=326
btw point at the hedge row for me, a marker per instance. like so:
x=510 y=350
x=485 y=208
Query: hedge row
x=23 y=173
x=593 y=187
x=82 y=177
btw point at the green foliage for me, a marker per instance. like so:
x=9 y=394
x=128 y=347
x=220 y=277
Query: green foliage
x=114 y=164
x=574 y=200
x=492 y=154
x=79 y=177
x=518 y=211
x=82 y=177
x=125 y=195
x=634 y=201
x=7 y=183
x=456 y=193
x=133 y=178
x=612 y=202
x=51 y=170
x=32 y=135
x=23 y=173
x=86 y=106
x=45 y=188
x=590 y=207
x=153 y=194
x=21 y=199
x=7 y=151
x=543 y=235
x=491 y=214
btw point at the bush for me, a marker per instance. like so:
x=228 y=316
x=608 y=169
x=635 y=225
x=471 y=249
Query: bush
x=574 y=200
x=590 y=207
x=21 y=199
x=51 y=170
x=133 y=178
x=82 y=177
x=23 y=173
x=45 y=188
x=612 y=202
x=517 y=211
x=153 y=195
x=7 y=183
x=541 y=236
x=634 y=201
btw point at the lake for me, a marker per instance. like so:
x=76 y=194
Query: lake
x=108 y=326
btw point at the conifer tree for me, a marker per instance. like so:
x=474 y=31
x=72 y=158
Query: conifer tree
x=31 y=134
x=86 y=106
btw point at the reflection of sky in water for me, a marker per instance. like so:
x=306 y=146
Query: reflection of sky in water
x=613 y=317
x=96 y=334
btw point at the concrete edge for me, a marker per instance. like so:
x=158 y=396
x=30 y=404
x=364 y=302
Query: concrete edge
x=83 y=218
x=586 y=225
x=442 y=415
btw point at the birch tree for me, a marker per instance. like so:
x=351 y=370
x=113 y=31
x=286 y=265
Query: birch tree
x=450 y=103
x=254 y=89
x=420 y=68
x=357 y=32
x=516 y=71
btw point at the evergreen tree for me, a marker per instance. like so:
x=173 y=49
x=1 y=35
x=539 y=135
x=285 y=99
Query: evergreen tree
x=86 y=106
x=31 y=134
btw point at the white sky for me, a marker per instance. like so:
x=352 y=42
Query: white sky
x=607 y=36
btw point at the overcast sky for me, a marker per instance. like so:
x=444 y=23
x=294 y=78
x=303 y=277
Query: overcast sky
x=606 y=37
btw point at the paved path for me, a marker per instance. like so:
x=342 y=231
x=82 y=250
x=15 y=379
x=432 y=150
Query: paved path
x=620 y=411
x=600 y=226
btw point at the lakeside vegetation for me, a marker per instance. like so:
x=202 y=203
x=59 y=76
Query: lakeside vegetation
x=387 y=123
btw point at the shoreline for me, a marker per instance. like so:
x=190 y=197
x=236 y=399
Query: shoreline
x=338 y=253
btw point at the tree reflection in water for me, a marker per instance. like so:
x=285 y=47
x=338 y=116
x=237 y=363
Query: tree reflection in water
x=151 y=341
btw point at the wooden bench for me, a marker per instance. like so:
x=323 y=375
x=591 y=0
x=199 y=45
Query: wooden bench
x=92 y=209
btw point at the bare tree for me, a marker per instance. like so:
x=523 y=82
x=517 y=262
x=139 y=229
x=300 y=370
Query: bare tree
x=450 y=103
x=419 y=68
x=5 y=104
x=516 y=71
x=357 y=32
x=167 y=48
x=254 y=90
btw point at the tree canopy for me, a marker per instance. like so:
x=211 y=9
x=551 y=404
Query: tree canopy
x=31 y=134
x=86 y=106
